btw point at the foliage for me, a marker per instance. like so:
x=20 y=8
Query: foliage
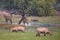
x=32 y=7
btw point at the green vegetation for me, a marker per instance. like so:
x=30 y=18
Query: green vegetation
x=44 y=8
x=4 y=35
x=32 y=7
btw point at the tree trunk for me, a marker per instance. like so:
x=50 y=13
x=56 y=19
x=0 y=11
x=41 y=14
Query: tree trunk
x=23 y=17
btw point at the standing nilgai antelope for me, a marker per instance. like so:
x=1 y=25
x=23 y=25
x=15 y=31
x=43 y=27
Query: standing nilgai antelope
x=7 y=16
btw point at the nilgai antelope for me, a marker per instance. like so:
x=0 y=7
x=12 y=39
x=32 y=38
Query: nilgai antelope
x=43 y=30
x=7 y=16
x=17 y=28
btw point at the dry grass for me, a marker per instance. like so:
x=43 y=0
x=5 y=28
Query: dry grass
x=48 y=19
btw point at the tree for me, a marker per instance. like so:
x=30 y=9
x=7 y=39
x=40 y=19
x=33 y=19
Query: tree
x=32 y=7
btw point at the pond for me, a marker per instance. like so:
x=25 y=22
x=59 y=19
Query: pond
x=33 y=25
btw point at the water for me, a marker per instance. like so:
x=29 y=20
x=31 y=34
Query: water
x=42 y=24
x=32 y=26
x=35 y=24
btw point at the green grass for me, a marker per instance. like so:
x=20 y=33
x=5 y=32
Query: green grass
x=5 y=35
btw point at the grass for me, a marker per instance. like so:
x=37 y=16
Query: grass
x=4 y=35
x=48 y=19
x=29 y=35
